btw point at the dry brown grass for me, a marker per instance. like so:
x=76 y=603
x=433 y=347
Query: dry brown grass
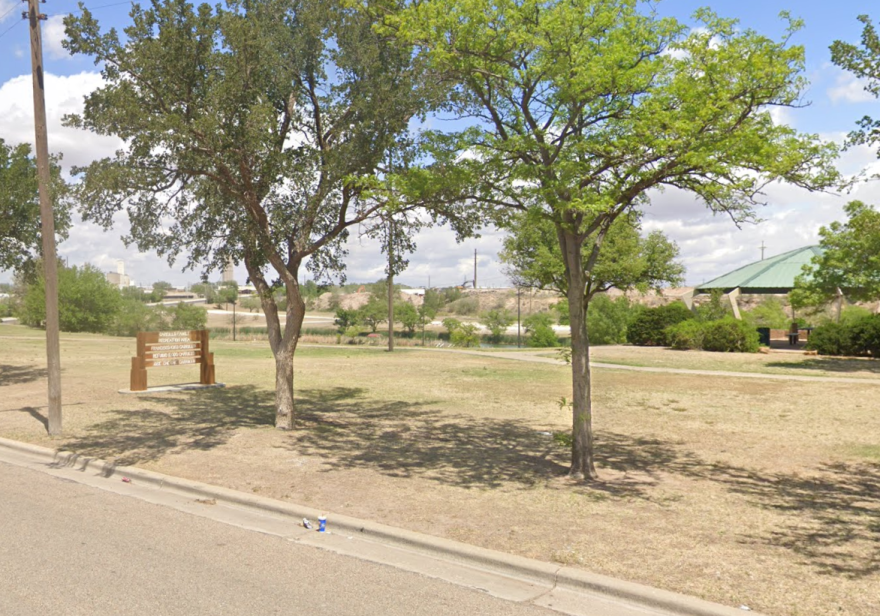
x=763 y=493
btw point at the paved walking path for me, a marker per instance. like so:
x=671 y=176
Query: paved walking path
x=530 y=357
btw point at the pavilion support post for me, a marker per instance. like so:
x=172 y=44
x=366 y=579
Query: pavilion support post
x=733 y=303
x=688 y=298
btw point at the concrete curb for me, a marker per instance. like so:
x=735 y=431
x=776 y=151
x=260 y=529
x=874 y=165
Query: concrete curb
x=509 y=565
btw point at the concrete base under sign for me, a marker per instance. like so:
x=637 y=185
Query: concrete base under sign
x=164 y=388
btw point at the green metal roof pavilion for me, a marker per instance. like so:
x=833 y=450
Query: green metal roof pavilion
x=773 y=275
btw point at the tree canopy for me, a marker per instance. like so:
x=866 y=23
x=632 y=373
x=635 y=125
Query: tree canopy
x=20 y=234
x=257 y=132
x=579 y=109
x=864 y=62
x=849 y=263
x=627 y=260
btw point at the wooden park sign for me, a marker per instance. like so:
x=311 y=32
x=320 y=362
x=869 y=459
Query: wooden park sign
x=179 y=348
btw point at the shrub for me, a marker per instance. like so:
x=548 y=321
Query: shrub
x=864 y=336
x=715 y=309
x=542 y=335
x=407 y=315
x=465 y=335
x=769 y=313
x=186 y=316
x=855 y=336
x=497 y=322
x=86 y=301
x=345 y=319
x=830 y=339
x=648 y=328
x=729 y=335
x=686 y=335
x=607 y=320
x=561 y=310
x=464 y=306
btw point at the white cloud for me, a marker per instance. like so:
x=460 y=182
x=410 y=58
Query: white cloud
x=713 y=245
x=7 y=10
x=64 y=95
x=848 y=88
x=18 y=52
x=52 y=35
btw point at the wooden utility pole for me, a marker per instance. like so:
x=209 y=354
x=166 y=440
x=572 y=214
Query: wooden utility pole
x=47 y=219
x=390 y=284
x=475 y=268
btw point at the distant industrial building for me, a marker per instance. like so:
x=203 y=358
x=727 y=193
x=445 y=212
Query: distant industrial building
x=118 y=278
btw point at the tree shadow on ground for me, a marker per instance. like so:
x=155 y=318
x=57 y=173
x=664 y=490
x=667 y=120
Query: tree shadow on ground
x=198 y=420
x=833 y=514
x=830 y=364
x=18 y=375
x=406 y=439
x=831 y=518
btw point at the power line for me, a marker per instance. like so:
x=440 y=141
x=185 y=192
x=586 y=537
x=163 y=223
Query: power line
x=15 y=23
x=94 y=8
x=3 y=16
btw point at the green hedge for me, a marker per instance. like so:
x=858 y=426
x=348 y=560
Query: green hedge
x=727 y=335
x=649 y=326
x=858 y=337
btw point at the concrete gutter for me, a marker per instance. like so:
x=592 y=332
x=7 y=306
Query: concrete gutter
x=564 y=589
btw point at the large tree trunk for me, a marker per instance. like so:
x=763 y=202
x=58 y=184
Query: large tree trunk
x=285 y=408
x=582 y=466
x=284 y=405
x=282 y=342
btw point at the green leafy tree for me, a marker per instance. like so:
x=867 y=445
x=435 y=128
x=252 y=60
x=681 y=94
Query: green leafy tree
x=345 y=319
x=607 y=319
x=451 y=324
x=160 y=290
x=407 y=315
x=135 y=316
x=863 y=61
x=250 y=303
x=713 y=309
x=433 y=301
x=580 y=108
x=228 y=292
x=769 y=313
x=187 y=316
x=850 y=260
x=134 y=293
x=626 y=260
x=497 y=322
x=426 y=317
x=20 y=236
x=373 y=313
x=260 y=129
x=205 y=289
x=86 y=301
x=465 y=335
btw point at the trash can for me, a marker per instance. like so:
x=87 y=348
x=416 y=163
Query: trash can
x=764 y=336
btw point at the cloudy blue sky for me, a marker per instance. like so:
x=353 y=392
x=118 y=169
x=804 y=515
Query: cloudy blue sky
x=710 y=246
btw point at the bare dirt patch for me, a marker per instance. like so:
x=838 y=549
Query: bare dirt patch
x=739 y=491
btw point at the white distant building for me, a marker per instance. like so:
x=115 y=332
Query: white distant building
x=228 y=274
x=118 y=278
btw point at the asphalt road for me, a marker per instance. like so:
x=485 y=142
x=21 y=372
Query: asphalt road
x=70 y=549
